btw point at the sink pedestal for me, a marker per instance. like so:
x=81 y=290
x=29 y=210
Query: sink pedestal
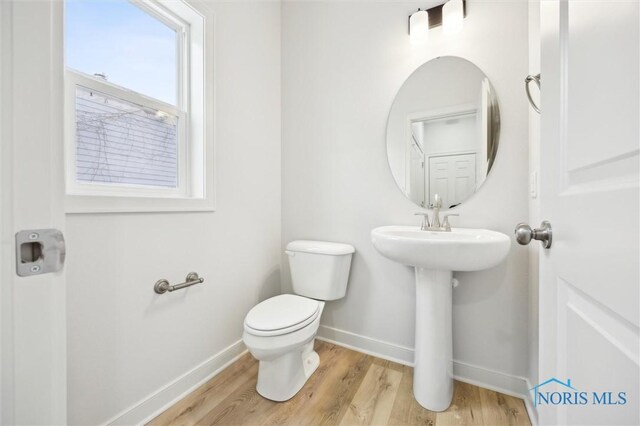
x=435 y=255
x=433 y=359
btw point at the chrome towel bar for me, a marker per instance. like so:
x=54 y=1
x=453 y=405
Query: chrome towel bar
x=162 y=286
x=535 y=79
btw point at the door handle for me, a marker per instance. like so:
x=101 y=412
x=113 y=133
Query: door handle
x=524 y=234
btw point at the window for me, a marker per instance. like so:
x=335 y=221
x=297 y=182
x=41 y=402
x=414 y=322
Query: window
x=125 y=43
x=134 y=101
x=119 y=142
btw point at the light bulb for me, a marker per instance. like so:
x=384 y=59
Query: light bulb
x=419 y=27
x=452 y=17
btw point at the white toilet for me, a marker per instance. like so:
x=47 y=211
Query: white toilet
x=280 y=331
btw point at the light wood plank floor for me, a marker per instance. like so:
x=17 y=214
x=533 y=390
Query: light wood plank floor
x=348 y=388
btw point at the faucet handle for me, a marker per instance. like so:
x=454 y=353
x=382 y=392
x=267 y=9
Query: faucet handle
x=425 y=221
x=445 y=223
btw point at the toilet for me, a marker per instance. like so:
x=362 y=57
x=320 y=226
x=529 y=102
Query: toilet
x=280 y=331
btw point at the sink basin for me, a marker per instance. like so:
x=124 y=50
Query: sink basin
x=435 y=255
x=462 y=249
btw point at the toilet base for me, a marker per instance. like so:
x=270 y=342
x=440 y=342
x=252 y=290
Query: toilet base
x=281 y=378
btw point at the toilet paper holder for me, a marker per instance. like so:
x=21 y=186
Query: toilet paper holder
x=163 y=285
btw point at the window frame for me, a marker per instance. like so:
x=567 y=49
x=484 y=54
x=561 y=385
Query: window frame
x=195 y=146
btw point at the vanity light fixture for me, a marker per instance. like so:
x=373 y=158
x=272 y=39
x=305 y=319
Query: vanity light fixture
x=450 y=15
x=419 y=27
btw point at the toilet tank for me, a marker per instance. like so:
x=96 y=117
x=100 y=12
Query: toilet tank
x=319 y=269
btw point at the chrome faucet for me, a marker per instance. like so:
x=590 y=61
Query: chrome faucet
x=436 y=206
x=434 y=224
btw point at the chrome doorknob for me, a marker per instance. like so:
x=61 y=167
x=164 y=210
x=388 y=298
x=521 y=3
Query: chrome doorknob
x=524 y=234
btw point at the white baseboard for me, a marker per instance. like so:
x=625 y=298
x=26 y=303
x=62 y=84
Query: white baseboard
x=464 y=372
x=367 y=345
x=151 y=406
x=531 y=408
x=490 y=379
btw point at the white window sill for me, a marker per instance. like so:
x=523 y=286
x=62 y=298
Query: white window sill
x=82 y=204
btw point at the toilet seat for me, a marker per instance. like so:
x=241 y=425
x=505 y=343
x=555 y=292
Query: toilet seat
x=281 y=315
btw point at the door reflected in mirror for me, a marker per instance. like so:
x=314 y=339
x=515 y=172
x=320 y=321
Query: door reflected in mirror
x=442 y=133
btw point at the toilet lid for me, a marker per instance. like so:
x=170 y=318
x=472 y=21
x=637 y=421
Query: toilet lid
x=281 y=312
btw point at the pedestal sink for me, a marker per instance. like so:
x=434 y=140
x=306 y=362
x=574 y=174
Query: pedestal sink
x=435 y=255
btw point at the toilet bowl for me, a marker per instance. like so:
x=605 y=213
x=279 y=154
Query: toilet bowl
x=280 y=332
x=286 y=356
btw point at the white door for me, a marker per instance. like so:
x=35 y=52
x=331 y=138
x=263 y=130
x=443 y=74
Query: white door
x=452 y=177
x=33 y=355
x=589 y=281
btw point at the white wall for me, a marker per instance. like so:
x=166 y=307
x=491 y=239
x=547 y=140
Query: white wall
x=447 y=136
x=342 y=64
x=126 y=342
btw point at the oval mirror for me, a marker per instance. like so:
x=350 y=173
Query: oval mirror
x=442 y=133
